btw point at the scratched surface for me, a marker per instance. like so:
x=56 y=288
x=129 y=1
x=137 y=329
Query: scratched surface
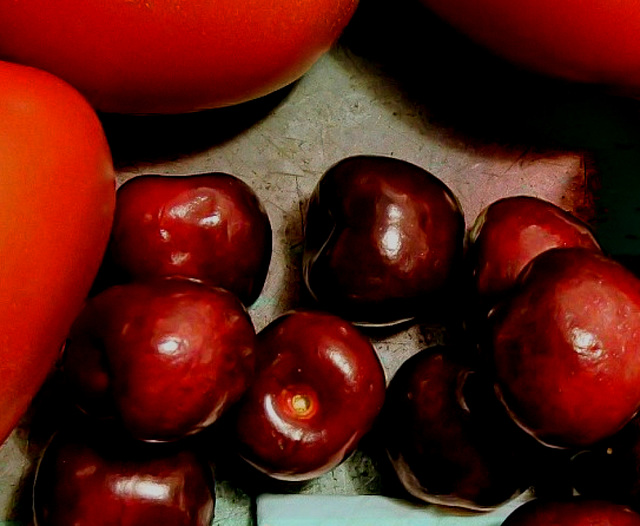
x=484 y=129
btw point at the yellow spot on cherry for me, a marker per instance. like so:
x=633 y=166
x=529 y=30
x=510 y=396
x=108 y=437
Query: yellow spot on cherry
x=301 y=404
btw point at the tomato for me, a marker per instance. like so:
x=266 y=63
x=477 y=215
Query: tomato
x=593 y=41
x=57 y=196
x=172 y=56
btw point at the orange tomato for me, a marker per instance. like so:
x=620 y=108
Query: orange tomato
x=593 y=41
x=57 y=196
x=171 y=56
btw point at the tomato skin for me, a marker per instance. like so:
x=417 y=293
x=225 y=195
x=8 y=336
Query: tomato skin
x=171 y=56
x=592 y=41
x=57 y=196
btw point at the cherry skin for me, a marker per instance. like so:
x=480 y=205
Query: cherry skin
x=510 y=232
x=89 y=480
x=211 y=227
x=449 y=439
x=318 y=389
x=383 y=240
x=566 y=347
x=572 y=512
x=166 y=358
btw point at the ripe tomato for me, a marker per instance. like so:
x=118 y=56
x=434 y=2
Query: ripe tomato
x=170 y=56
x=57 y=196
x=594 y=41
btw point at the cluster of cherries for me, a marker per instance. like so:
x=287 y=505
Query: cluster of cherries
x=547 y=368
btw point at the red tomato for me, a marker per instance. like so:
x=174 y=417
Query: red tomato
x=170 y=56
x=57 y=196
x=594 y=41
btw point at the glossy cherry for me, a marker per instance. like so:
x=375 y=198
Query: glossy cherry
x=510 y=232
x=318 y=389
x=572 y=512
x=383 y=240
x=211 y=227
x=165 y=358
x=86 y=479
x=449 y=439
x=566 y=347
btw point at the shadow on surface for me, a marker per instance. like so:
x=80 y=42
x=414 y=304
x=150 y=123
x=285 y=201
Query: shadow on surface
x=159 y=138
